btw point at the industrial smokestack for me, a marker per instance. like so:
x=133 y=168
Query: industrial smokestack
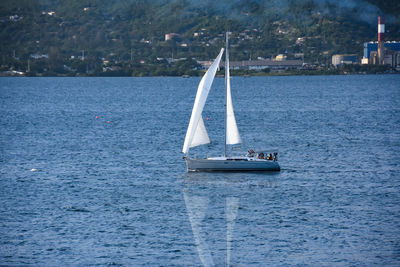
x=381 y=29
x=381 y=36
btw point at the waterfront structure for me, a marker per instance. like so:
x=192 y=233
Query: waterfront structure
x=391 y=58
x=344 y=59
x=371 y=51
x=259 y=65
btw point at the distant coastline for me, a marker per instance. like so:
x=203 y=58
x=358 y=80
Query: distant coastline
x=342 y=70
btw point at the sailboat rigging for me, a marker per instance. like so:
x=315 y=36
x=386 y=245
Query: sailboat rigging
x=197 y=134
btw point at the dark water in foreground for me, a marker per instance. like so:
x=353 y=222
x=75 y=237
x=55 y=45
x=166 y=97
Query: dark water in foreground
x=77 y=190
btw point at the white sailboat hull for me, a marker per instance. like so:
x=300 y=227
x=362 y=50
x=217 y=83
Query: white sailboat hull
x=231 y=164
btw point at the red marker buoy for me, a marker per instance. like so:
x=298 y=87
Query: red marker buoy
x=108 y=121
x=208 y=118
x=97 y=117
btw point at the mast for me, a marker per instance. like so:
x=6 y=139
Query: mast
x=226 y=89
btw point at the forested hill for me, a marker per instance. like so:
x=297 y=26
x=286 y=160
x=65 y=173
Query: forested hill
x=116 y=33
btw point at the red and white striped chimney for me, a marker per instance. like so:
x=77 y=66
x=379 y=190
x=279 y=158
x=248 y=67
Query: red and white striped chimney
x=381 y=36
x=381 y=29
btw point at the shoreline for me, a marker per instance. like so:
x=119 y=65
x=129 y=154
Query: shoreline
x=192 y=76
x=346 y=69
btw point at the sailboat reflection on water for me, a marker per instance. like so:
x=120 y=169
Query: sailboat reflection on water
x=197 y=207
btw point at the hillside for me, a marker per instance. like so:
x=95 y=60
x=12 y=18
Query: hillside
x=127 y=37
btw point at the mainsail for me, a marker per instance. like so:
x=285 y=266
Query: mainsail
x=196 y=133
x=232 y=132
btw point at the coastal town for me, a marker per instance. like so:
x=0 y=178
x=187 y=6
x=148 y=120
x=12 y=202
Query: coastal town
x=275 y=47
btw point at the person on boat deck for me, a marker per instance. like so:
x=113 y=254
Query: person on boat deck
x=275 y=156
x=250 y=152
x=261 y=155
x=269 y=157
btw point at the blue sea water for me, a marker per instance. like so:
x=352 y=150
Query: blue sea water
x=91 y=173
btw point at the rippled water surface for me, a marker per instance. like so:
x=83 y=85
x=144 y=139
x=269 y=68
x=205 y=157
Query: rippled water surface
x=91 y=173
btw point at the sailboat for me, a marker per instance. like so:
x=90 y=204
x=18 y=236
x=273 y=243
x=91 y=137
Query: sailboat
x=197 y=134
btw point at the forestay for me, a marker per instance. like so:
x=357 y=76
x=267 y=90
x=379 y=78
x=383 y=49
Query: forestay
x=196 y=133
